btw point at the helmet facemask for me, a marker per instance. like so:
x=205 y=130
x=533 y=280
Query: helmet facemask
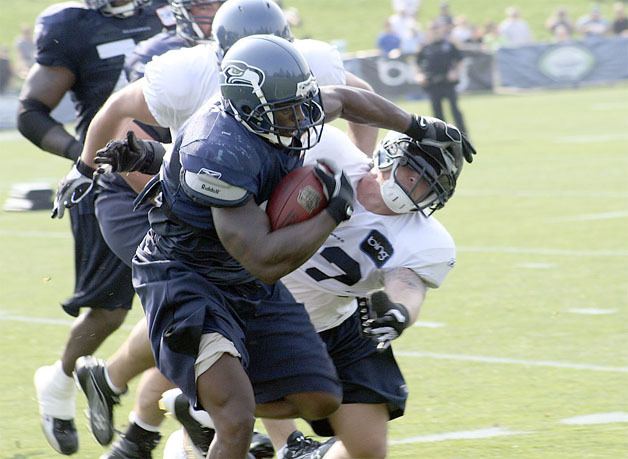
x=434 y=170
x=106 y=8
x=189 y=25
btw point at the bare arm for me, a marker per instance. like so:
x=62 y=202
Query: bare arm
x=364 y=137
x=114 y=117
x=404 y=286
x=363 y=107
x=269 y=255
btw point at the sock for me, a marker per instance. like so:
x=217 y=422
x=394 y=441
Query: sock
x=135 y=419
x=281 y=451
x=62 y=381
x=116 y=390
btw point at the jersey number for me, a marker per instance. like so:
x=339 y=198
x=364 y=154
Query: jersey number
x=338 y=257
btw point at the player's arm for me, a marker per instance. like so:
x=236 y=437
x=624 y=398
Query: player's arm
x=269 y=255
x=42 y=91
x=395 y=308
x=364 y=107
x=115 y=115
x=364 y=137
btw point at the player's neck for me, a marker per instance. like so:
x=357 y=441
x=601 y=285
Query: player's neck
x=369 y=195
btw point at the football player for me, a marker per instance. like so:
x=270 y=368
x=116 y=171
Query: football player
x=80 y=50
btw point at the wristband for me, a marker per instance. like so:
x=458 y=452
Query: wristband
x=339 y=210
x=84 y=169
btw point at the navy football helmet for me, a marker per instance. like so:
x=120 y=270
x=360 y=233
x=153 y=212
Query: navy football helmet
x=240 y=18
x=125 y=10
x=268 y=86
x=189 y=25
x=438 y=167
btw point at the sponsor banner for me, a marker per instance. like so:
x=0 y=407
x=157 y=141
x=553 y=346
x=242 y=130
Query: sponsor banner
x=395 y=78
x=594 y=60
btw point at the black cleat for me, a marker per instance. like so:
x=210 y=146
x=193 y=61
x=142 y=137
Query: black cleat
x=124 y=448
x=261 y=446
x=177 y=404
x=61 y=434
x=90 y=375
x=299 y=446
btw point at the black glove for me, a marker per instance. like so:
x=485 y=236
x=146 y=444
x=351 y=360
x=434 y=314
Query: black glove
x=384 y=320
x=73 y=188
x=432 y=131
x=337 y=189
x=130 y=155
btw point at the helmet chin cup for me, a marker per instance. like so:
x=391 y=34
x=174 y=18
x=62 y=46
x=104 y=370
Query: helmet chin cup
x=395 y=198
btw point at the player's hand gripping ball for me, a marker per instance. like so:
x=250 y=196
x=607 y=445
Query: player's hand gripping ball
x=298 y=197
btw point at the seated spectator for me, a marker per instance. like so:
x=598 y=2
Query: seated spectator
x=6 y=72
x=560 y=19
x=25 y=50
x=409 y=7
x=593 y=24
x=620 y=22
x=462 y=31
x=388 y=41
x=514 y=30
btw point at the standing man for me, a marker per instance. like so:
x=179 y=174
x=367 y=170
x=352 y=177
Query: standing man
x=81 y=49
x=439 y=65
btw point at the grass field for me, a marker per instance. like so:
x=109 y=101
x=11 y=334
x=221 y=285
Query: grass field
x=529 y=330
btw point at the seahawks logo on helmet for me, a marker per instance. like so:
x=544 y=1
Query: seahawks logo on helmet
x=239 y=73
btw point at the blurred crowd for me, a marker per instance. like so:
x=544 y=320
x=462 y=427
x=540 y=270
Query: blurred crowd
x=402 y=32
x=23 y=58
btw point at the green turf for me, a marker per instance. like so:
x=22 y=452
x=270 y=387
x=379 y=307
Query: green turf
x=540 y=223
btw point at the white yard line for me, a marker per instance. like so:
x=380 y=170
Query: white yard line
x=36 y=234
x=462 y=435
x=592 y=311
x=544 y=251
x=597 y=418
x=424 y=324
x=594 y=217
x=5 y=317
x=509 y=361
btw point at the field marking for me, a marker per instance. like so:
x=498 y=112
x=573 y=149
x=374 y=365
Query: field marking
x=7 y=317
x=592 y=311
x=10 y=136
x=545 y=251
x=36 y=234
x=597 y=418
x=591 y=138
x=509 y=361
x=462 y=435
x=542 y=194
x=594 y=217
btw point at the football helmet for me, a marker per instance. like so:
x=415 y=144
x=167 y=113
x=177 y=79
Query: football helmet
x=125 y=10
x=267 y=85
x=438 y=167
x=189 y=26
x=240 y=18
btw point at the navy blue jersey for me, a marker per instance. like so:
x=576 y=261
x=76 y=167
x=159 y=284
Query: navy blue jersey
x=93 y=47
x=215 y=162
x=135 y=62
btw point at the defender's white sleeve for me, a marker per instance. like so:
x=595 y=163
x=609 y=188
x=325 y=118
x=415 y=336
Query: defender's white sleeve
x=178 y=82
x=324 y=60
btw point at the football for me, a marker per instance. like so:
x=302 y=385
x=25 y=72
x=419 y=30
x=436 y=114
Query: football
x=298 y=197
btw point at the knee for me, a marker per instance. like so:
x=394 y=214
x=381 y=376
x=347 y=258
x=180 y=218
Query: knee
x=108 y=320
x=367 y=448
x=317 y=405
x=234 y=424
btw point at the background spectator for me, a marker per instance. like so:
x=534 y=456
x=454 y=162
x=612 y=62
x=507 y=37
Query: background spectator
x=560 y=20
x=25 y=50
x=388 y=41
x=6 y=72
x=439 y=63
x=620 y=21
x=514 y=30
x=592 y=24
x=445 y=17
x=462 y=31
x=410 y=7
x=411 y=43
x=562 y=34
x=491 y=40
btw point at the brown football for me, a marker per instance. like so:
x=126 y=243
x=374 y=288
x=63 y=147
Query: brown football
x=298 y=197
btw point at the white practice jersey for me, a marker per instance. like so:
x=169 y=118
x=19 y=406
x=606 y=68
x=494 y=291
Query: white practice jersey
x=180 y=81
x=352 y=261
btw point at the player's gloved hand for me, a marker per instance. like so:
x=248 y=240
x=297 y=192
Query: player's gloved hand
x=129 y=155
x=385 y=321
x=73 y=188
x=433 y=131
x=337 y=189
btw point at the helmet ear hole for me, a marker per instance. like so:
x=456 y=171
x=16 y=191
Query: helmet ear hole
x=246 y=110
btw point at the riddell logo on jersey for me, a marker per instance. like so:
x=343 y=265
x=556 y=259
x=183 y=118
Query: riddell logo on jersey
x=377 y=247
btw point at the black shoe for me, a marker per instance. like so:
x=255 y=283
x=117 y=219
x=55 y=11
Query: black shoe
x=124 y=448
x=261 y=446
x=90 y=374
x=299 y=446
x=177 y=404
x=60 y=434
